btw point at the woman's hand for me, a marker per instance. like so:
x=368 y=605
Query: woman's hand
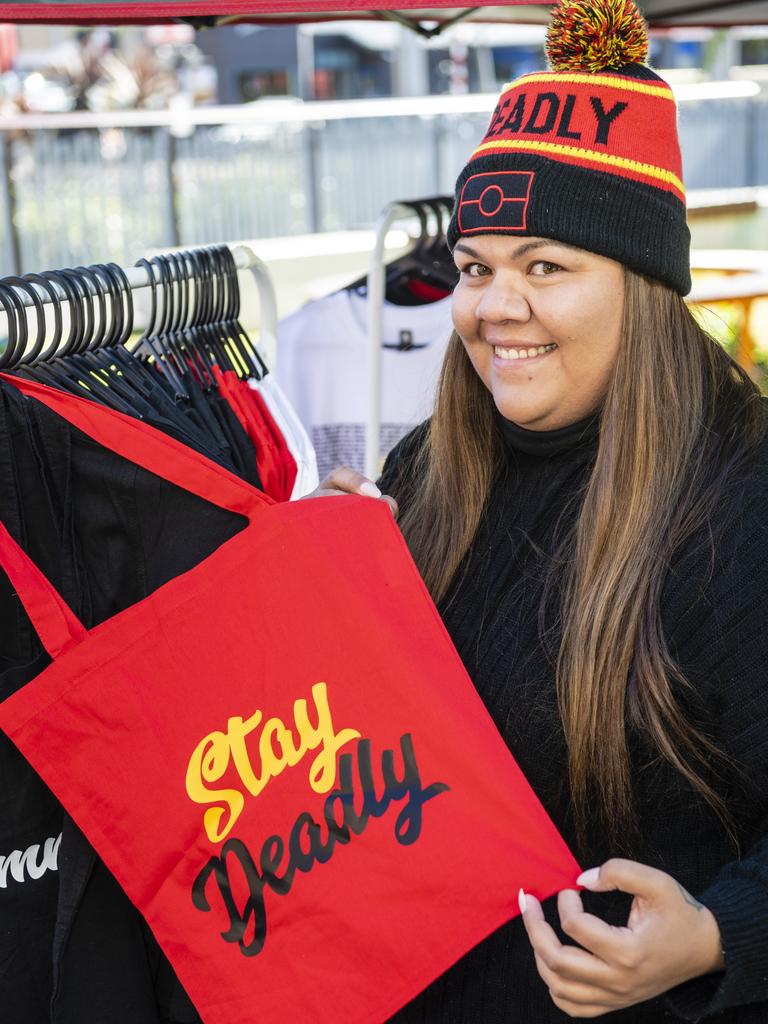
x=348 y=481
x=669 y=938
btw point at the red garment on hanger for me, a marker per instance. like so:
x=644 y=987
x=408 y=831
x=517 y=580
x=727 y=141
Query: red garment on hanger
x=427 y=292
x=268 y=463
x=290 y=469
x=279 y=755
x=233 y=399
x=255 y=411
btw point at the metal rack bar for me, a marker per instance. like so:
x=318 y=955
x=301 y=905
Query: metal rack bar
x=245 y=259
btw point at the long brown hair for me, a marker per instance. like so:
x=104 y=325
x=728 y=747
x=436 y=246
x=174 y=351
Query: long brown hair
x=678 y=420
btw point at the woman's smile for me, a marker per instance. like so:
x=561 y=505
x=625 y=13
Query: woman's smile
x=518 y=356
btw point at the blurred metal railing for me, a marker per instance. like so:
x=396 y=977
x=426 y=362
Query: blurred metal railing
x=79 y=187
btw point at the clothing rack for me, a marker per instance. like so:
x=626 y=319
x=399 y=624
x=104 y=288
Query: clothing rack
x=193 y=373
x=245 y=259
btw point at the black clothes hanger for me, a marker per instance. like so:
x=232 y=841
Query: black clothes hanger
x=86 y=347
x=71 y=371
x=21 y=356
x=16 y=326
x=163 y=340
x=166 y=370
x=201 y=343
x=126 y=381
x=53 y=371
x=252 y=363
x=47 y=373
x=190 y=357
x=54 y=304
x=75 y=320
x=106 y=379
x=115 y=351
x=257 y=368
x=361 y=284
x=71 y=365
x=219 y=335
x=85 y=313
x=99 y=330
x=130 y=377
x=428 y=261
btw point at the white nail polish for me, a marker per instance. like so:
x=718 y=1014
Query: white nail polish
x=589 y=878
x=369 y=490
x=522 y=902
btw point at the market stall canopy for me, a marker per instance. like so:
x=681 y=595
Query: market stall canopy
x=427 y=20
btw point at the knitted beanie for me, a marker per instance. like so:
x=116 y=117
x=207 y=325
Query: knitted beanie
x=586 y=153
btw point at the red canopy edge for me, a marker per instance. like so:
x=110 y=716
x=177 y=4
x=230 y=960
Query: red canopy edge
x=112 y=12
x=703 y=14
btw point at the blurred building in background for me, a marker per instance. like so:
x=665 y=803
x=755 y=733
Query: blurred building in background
x=131 y=138
x=61 y=68
x=115 y=142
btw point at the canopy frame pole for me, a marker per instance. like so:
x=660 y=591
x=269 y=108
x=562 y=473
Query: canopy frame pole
x=422 y=30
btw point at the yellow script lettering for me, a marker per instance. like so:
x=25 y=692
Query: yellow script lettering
x=208 y=763
x=277 y=749
x=322 y=771
x=237 y=730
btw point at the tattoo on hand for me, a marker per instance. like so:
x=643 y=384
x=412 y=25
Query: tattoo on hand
x=689 y=899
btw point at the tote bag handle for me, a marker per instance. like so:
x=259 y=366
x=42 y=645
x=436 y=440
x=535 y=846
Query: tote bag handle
x=52 y=618
x=149 y=448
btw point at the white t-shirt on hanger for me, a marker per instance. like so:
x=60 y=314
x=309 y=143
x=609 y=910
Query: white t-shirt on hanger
x=322 y=366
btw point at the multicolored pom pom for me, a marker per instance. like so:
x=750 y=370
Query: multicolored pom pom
x=592 y=35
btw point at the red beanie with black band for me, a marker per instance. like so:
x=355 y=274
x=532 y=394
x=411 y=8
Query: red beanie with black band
x=587 y=153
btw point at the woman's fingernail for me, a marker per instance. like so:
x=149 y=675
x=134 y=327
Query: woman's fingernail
x=522 y=902
x=369 y=490
x=589 y=878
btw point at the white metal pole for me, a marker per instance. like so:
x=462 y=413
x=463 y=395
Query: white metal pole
x=267 y=299
x=389 y=215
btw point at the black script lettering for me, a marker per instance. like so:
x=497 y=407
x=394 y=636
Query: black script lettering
x=605 y=118
x=498 y=117
x=272 y=853
x=345 y=793
x=219 y=868
x=564 y=128
x=301 y=859
x=408 y=824
x=302 y=856
x=339 y=832
x=345 y=799
x=552 y=111
x=515 y=119
x=372 y=806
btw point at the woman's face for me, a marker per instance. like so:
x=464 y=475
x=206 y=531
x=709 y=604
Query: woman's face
x=541 y=323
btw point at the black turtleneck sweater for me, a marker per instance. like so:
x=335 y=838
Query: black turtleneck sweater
x=714 y=620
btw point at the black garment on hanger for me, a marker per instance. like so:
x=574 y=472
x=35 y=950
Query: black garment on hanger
x=243 y=452
x=106 y=533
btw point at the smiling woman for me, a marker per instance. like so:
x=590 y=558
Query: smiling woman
x=586 y=506
x=541 y=323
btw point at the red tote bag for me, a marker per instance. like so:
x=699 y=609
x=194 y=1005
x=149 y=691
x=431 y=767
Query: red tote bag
x=280 y=756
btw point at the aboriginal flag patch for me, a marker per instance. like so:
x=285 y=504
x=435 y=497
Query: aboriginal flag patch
x=495 y=201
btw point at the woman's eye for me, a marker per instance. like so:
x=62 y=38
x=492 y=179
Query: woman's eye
x=544 y=268
x=474 y=270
